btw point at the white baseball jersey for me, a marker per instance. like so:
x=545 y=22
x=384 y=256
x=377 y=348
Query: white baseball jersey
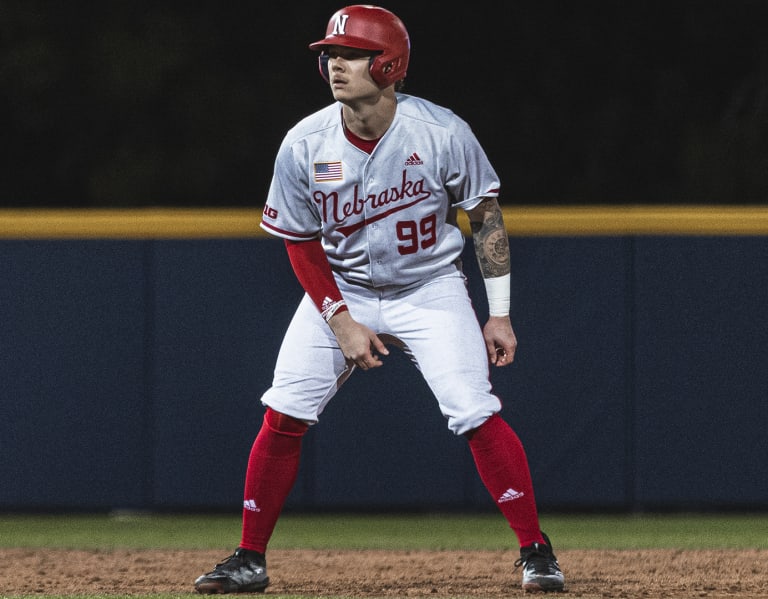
x=387 y=222
x=388 y=218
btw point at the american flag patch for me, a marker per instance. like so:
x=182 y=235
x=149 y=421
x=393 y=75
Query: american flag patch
x=327 y=171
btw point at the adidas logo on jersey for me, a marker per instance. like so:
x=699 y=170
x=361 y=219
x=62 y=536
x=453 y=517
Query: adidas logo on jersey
x=250 y=505
x=413 y=160
x=509 y=495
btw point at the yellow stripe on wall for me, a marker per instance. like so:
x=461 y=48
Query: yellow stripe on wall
x=157 y=223
x=136 y=223
x=638 y=220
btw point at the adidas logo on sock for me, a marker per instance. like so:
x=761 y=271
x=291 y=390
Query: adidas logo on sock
x=413 y=160
x=250 y=505
x=509 y=495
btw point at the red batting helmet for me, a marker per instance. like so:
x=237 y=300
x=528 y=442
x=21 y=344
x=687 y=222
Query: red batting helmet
x=367 y=27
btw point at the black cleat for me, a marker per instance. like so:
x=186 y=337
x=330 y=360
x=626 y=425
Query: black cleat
x=242 y=572
x=541 y=572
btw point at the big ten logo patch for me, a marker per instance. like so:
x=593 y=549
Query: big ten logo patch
x=270 y=212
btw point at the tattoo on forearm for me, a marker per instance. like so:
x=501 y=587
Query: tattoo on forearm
x=491 y=242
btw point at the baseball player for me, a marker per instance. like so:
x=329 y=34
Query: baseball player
x=365 y=194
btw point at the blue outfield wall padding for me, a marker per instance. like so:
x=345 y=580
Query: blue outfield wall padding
x=131 y=372
x=701 y=360
x=72 y=393
x=220 y=310
x=565 y=392
x=382 y=441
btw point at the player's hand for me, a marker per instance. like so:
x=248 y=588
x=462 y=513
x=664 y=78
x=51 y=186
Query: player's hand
x=500 y=340
x=359 y=344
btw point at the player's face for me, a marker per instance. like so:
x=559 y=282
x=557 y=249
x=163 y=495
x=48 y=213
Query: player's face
x=348 y=71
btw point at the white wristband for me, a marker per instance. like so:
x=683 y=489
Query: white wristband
x=498 y=291
x=330 y=308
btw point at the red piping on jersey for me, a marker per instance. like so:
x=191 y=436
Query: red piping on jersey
x=303 y=236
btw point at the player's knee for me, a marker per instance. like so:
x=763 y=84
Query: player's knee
x=487 y=423
x=284 y=424
x=471 y=418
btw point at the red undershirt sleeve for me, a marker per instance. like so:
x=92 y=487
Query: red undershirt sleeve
x=310 y=264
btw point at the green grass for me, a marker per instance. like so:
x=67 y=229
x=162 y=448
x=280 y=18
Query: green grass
x=397 y=531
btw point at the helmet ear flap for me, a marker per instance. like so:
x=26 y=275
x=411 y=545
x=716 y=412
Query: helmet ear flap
x=379 y=70
x=322 y=63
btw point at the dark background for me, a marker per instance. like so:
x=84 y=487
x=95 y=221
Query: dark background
x=184 y=104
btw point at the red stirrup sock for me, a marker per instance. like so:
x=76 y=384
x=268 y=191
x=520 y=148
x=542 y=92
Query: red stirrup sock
x=272 y=469
x=503 y=467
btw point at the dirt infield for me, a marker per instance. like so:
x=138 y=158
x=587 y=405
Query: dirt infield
x=671 y=574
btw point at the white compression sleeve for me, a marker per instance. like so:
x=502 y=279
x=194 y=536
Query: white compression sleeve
x=498 y=291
